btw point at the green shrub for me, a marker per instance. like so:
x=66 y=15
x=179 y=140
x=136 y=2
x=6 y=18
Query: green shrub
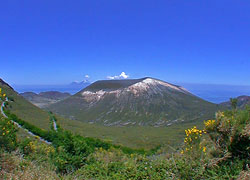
x=8 y=140
x=230 y=132
x=229 y=169
x=2 y=95
x=26 y=146
x=70 y=151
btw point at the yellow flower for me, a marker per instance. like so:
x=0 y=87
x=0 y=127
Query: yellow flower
x=209 y=123
x=204 y=149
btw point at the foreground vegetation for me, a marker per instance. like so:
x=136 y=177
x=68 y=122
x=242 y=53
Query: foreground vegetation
x=219 y=151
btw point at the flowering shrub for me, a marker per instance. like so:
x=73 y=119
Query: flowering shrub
x=193 y=141
x=28 y=146
x=2 y=95
x=8 y=131
x=230 y=132
x=209 y=125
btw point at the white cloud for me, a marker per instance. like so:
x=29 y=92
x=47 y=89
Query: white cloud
x=111 y=77
x=87 y=76
x=123 y=75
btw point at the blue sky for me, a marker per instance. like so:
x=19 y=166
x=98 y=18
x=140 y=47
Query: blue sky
x=57 y=42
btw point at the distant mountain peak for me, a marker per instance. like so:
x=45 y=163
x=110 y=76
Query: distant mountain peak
x=242 y=102
x=148 y=82
x=43 y=99
x=145 y=101
x=135 y=86
x=80 y=82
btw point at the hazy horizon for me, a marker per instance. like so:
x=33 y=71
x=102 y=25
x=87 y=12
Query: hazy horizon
x=211 y=92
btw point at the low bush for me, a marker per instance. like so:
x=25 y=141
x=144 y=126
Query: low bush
x=2 y=95
x=8 y=139
x=230 y=132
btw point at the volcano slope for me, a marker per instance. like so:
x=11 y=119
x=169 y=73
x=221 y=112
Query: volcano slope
x=143 y=102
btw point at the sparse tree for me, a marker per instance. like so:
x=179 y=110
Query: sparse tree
x=234 y=102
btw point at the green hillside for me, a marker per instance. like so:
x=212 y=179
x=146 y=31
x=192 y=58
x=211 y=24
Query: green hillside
x=135 y=136
x=24 y=109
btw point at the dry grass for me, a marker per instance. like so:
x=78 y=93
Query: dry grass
x=244 y=175
x=14 y=166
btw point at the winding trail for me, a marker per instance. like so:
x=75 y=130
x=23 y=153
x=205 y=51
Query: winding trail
x=18 y=125
x=2 y=112
x=54 y=124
